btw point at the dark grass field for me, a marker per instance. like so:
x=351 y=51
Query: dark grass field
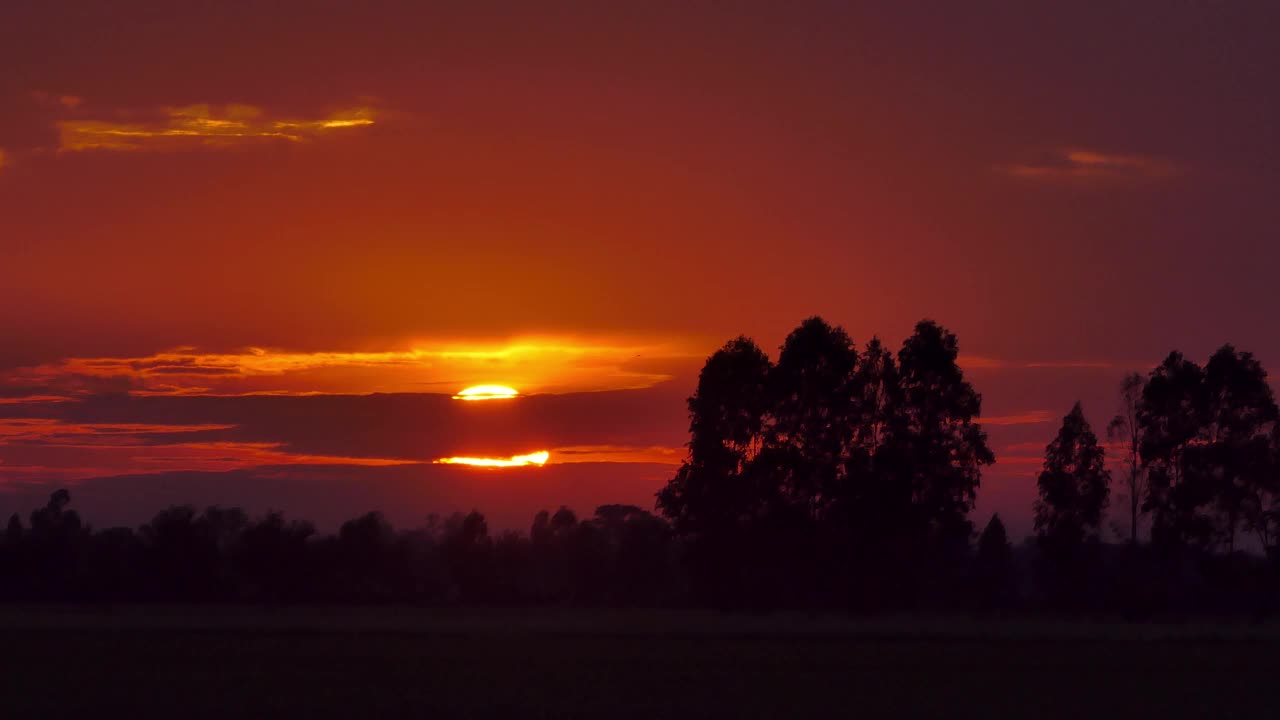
x=185 y=663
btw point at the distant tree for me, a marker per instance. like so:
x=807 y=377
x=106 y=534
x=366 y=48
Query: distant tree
x=367 y=561
x=1126 y=429
x=54 y=545
x=13 y=531
x=993 y=565
x=640 y=554
x=115 y=567
x=551 y=538
x=187 y=553
x=13 y=569
x=468 y=555
x=272 y=556
x=1074 y=485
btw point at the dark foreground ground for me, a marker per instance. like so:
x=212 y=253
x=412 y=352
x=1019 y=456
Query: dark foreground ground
x=184 y=663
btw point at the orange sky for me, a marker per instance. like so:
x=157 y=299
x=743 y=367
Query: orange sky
x=583 y=201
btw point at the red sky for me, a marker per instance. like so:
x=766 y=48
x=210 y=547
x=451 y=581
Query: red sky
x=218 y=221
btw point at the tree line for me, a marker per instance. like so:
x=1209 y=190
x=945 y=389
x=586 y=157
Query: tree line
x=618 y=557
x=836 y=477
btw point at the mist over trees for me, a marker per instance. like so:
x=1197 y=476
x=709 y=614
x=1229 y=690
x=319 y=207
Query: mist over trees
x=837 y=476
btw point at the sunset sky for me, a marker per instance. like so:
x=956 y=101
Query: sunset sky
x=249 y=251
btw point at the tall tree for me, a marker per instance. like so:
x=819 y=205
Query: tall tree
x=941 y=446
x=879 y=398
x=1125 y=429
x=1074 y=485
x=726 y=418
x=1172 y=412
x=879 y=500
x=814 y=414
x=1239 y=412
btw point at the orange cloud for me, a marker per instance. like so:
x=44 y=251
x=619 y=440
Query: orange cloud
x=196 y=126
x=655 y=454
x=51 y=449
x=69 y=102
x=1082 y=165
x=533 y=364
x=985 y=362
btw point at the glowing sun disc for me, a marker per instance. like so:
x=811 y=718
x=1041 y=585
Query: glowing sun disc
x=487 y=392
x=538 y=458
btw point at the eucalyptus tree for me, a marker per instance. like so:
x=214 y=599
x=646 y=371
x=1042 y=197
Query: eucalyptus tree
x=1074 y=486
x=1126 y=430
x=941 y=446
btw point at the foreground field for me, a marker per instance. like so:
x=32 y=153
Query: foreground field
x=360 y=663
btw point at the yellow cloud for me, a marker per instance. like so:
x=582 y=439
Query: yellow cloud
x=194 y=126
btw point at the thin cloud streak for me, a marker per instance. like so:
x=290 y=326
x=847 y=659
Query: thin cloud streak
x=1084 y=165
x=201 y=126
x=984 y=362
x=1033 y=417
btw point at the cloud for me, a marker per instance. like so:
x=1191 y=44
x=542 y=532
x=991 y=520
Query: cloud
x=1082 y=165
x=986 y=362
x=69 y=102
x=529 y=364
x=199 y=126
x=120 y=434
x=1031 y=417
x=654 y=454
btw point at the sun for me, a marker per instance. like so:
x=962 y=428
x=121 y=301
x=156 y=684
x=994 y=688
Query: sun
x=487 y=392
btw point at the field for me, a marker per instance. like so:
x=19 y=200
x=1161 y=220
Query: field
x=320 y=663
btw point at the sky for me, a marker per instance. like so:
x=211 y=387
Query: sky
x=249 y=251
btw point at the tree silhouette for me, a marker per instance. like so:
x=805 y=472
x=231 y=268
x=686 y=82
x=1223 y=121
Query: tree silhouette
x=726 y=419
x=1074 y=484
x=835 y=478
x=943 y=448
x=1207 y=439
x=1073 y=491
x=55 y=544
x=715 y=495
x=1238 y=414
x=187 y=553
x=271 y=556
x=1126 y=429
x=828 y=461
x=1173 y=406
x=993 y=566
x=813 y=416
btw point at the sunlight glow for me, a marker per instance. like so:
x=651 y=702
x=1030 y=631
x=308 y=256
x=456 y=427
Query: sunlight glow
x=538 y=458
x=487 y=392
